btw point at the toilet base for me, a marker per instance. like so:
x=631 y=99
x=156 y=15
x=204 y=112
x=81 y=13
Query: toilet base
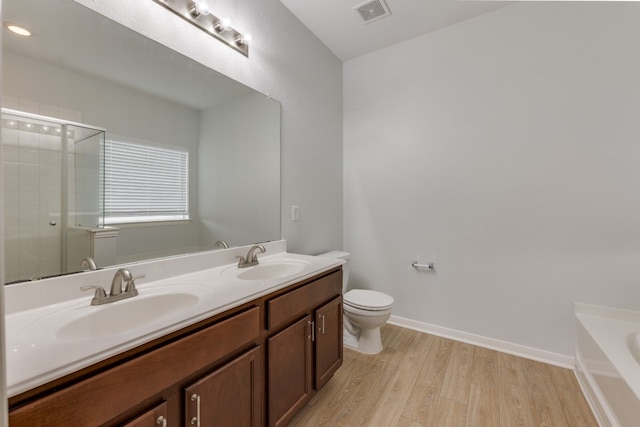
x=368 y=342
x=350 y=340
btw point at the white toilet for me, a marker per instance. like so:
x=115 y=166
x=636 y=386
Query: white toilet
x=364 y=312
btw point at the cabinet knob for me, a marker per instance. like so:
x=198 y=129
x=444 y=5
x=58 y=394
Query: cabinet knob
x=162 y=421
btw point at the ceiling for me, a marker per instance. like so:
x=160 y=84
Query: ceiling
x=342 y=29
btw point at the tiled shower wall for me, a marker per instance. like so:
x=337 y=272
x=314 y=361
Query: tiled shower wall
x=32 y=196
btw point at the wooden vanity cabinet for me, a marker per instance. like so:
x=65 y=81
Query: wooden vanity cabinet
x=256 y=364
x=134 y=390
x=304 y=345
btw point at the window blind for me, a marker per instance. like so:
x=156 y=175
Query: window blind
x=145 y=183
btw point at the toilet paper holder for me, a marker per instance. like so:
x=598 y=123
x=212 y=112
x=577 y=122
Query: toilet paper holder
x=416 y=264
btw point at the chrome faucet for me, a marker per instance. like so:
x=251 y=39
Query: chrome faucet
x=222 y=244
x=118 y=292
x=122 y=276
x=88 y=264
x=252 y=257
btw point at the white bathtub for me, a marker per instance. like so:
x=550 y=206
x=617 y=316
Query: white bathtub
x=608 y=363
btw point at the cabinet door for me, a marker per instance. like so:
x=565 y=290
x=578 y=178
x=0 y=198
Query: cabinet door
x=155 y=417
x=328 y=341
x=289 y=371
x=230 y=396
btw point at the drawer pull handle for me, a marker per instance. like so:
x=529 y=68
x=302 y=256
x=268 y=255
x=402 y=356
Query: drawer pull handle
x=196 y=420
x=162 y=421
x=322 y=315
x=312 y=337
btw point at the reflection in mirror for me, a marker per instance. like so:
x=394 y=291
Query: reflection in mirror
x=52 y=185
x=137 y=92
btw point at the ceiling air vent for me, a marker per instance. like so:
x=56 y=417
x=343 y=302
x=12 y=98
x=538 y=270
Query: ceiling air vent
x=373 y=10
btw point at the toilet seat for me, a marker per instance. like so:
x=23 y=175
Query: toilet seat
x=368 y=300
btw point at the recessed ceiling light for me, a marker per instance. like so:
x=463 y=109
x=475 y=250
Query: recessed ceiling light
x=17 y=29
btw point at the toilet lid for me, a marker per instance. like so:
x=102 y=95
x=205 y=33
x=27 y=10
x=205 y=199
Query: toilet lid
x=367 y=299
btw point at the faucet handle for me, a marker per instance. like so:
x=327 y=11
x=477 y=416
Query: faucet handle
x=100 y=292
x=99 y=295
x=131 y=284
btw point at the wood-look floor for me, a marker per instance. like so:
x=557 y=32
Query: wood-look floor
x=424 y=380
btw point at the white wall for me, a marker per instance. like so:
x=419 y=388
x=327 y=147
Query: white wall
x=505 y=149
x=289 y=63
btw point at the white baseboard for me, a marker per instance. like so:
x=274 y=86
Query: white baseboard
x=503 y=346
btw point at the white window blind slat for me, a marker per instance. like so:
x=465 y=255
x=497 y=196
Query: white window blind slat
x=144 y=183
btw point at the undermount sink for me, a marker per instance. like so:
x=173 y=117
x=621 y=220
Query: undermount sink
x=134 y=313
x=272 y=270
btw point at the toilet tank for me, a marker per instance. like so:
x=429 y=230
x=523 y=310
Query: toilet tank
x=345 y=267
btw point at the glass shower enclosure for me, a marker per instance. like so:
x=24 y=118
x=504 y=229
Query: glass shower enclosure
x=52 y=191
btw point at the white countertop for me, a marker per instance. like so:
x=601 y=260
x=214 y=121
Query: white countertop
x=35 y=355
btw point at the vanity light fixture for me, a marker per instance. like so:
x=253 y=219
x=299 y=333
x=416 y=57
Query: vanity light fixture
x=198 y=13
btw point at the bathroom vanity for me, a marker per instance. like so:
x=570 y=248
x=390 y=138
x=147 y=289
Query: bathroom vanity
x=254 y=363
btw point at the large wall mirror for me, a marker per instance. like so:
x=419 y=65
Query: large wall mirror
x=88 y=102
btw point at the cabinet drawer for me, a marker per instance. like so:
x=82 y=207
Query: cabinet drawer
x=105 y=396
x=155 y=417
x=292 y=304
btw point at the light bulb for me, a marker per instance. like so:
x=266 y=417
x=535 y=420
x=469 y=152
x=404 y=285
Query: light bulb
x=199 y=8
x=243 y=39
x=224 y=24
